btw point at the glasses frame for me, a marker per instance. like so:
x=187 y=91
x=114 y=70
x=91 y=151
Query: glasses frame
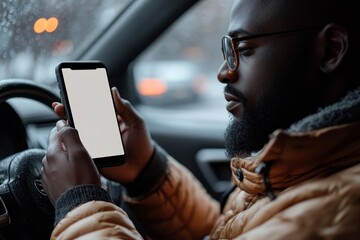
x=235 y=42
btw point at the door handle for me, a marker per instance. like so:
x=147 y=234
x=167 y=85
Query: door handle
x=215 y=167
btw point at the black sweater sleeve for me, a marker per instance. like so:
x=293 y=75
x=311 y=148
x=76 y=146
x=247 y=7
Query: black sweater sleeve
x=150 y=177
x=76 y=196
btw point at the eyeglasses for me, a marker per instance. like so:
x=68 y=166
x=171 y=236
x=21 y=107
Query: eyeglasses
x=230 y=45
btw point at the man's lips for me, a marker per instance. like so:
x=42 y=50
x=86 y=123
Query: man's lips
x=234 y=104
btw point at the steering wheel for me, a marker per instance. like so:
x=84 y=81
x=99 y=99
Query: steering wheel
x=25 y=210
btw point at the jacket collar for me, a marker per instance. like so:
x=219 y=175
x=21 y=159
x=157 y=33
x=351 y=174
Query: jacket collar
x=297 y=157
x=316 y=146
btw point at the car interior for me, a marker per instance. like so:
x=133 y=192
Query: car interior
x=187 y=120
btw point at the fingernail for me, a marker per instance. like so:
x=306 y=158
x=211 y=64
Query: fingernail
x=116 y=91
x=60 y=124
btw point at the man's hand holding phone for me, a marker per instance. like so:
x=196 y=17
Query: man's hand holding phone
x=65 y=157
x=136 y=138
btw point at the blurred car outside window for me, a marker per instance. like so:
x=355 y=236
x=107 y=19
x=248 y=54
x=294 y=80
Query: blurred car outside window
x=177 y=73
x=37 y=34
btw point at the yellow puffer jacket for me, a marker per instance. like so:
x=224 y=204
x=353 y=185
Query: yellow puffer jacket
x=315 y=177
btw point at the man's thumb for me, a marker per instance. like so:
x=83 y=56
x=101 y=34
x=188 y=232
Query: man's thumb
x=69 y=136
x=125 y=109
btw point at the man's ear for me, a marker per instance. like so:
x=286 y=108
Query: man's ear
x=333 y=42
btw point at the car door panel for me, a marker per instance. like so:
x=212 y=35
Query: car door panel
x=198 y=147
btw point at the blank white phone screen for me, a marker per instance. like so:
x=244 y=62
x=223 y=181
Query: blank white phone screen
x=93 y=111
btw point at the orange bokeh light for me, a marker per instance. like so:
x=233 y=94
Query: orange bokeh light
x=152 y=87
x=52 y=24
x=49 y=25
x=40 y=25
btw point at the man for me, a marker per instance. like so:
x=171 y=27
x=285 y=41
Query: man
x=290 y=75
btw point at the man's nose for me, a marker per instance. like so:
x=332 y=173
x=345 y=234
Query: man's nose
x=225 y=75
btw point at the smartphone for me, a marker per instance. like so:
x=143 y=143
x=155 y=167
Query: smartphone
x=86 y=95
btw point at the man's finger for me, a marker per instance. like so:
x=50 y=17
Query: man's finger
x=54 y=104
x=54 y=143
x=59 y=109
x=125 y=109
x=69 y=137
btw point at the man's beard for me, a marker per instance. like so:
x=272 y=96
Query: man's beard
x=248 y=133
x=242 y=136
x=277 y=109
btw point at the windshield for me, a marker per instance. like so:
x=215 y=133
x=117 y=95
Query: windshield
x=37 y=34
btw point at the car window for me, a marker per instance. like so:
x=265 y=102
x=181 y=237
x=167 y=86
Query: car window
x=37 y=34
x=177 y=73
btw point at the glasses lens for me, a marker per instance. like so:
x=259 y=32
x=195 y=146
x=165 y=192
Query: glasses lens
x=229 y=53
